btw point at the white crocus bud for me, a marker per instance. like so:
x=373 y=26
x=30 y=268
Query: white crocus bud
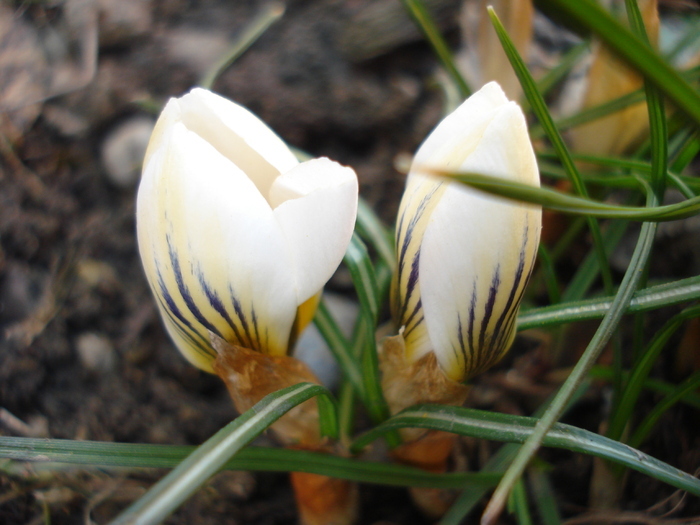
x=466 y=256
x=237 y=237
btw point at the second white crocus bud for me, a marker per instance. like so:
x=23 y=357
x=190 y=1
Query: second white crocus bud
x=236 y=236
x=464 y=257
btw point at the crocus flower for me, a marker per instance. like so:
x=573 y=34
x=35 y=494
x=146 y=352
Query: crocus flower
x=237 y=237
x=465 y=256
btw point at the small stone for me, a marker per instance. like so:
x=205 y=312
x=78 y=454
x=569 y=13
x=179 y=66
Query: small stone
x=121 y=21
x=124 y=148
x=312 y=348
x=96 y=352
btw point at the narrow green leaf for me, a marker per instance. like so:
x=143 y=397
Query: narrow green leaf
x=364 y=279
x=580 y=371
x=642 y=301
x=268 y=15
x=593 y=113
x=539 y=107
x=517 y=429
x=371 y=229
x=518 y=504
x=339 y=347
x=687 y=153
x=550 y=275
x=171 y=491
x=496 y=463
x=544 y=497
x=53 y=454
x=629 y=396
x=426 y=24
x=588 y=270
x=640 y=434
x=592 y=16
x=563 y=202
x=360 y=266
x=639 y=167
x=655 y=385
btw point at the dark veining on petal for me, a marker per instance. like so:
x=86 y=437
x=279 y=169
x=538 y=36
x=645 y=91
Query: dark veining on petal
x=217 y=304
x=254 y=320
x=488 y=310
x=197 y=340
x=462 y=346
x=472 y=318
x=246 y=341
x=409 y=324
x=169 y=304
x=407 y=239
x=510 y=303
x=185 y=293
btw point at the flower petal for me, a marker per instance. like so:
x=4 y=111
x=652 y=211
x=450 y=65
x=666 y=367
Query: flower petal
x=478 y=252
x=421 y=196
x=315 y=206
x=239 y=135
x=459 y=133
x=213 y=252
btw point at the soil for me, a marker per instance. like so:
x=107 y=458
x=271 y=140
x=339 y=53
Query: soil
x=83 y=354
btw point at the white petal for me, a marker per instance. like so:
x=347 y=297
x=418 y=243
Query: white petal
x=315 y=206
x=460 y=132
x=420 y=198
x=238 y=135
x=213 y=251
x=505 y=149
x=477 y=253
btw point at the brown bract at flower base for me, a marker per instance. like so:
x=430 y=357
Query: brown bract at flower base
x=410 y=383
x=250 y=376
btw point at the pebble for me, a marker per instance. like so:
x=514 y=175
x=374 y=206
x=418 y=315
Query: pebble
x=121 y=21
x=312 y=348
x=123 y=150
x=96 y=352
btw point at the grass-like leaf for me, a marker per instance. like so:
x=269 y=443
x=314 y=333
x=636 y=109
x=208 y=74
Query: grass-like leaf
x=632 y=49
x=590 y=355
x=518 y=504
x=588 y=270
x=606 y=373
x=268 y=15
x=371 y=229
x=651 y=298
x=171 y=491
x=628 y=398
x=644 y=429
x=425 y=23
x=544 y=497
x=360 y=265
x=517 y=429
x=539 y=107
x=571 y=204
x=339 y=347
x=55 y=454
x=496 y=463
x=358 y=261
